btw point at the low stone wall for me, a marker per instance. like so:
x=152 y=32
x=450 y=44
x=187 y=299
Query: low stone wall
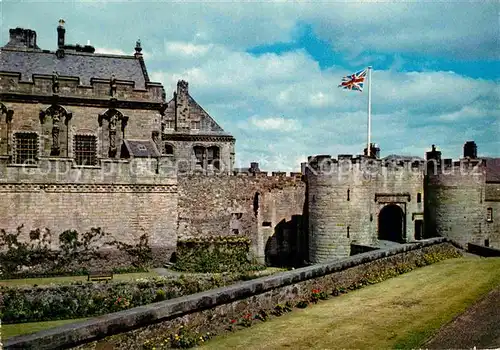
x=481 y=250
x=213 y=310
x=359 y=248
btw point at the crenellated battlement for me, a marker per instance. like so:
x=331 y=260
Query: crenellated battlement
x=464 y=166
x=346 y=163
x=67 y=86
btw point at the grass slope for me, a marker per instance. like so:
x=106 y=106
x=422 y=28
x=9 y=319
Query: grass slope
x=12 y=330
x=399 y=313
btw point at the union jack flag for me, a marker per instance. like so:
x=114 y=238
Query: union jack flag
x=354 y=81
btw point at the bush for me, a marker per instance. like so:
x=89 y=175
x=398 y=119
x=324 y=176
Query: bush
x=214 y=254
x=87 y=299
x=186 y=338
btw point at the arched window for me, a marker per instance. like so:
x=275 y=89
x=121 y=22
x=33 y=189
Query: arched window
x=213 y=157
x=199 y=153
x=169 y=150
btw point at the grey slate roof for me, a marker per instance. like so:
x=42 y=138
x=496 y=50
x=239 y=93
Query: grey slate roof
x=82 y=65
x=141 y=148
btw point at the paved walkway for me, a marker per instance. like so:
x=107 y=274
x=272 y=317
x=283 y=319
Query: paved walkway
x=478 y=326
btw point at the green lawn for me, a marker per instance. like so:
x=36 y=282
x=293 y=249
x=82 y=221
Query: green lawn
x=69 y=279
x=398 y=313
x=11 y=330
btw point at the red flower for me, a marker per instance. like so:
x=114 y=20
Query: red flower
x=233 y=321
x=315 y=291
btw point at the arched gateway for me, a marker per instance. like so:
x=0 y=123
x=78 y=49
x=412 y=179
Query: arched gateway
x=391 y=223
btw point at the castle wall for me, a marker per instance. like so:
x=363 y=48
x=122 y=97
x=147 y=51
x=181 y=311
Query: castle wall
x=185 y=158
x=346 y=198
x=455 y=203
x=125 y=198
x=72 y=88
x=84 y=120
x=227 y=205
x=492 y=200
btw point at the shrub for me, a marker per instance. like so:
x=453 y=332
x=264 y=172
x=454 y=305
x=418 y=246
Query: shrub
x=317 y=295
x=262 y=315
x=246 y=321
x=302 y=304
x=281 y=309
x=186 y=338
x=214 y=254
x=87 y=299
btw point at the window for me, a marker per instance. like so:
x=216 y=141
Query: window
x=489 y=215
x=213 y=156
x=85 y=149
x=169 y=124
x=169 y=150
x=26 y=148
x=195 y=125
x=419 y=197
x=199 y=152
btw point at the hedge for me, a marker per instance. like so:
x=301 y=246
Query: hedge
x=214 y=254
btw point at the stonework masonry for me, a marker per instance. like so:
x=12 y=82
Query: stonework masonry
x=268 y=209
x=87 y=140
x=346 y=198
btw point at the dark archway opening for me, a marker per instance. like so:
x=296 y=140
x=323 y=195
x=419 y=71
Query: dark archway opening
x=419 y=229
x=391 y=224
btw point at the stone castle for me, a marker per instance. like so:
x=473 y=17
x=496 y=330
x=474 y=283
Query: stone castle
x=87 y=140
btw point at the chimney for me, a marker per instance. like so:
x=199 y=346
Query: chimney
x=60 y=34
x=22 y=38
x=470 y=150
x=138 y=48
x=182 y=105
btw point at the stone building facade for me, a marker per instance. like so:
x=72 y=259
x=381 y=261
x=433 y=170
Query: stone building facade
x=87 y=140
x=374 y=202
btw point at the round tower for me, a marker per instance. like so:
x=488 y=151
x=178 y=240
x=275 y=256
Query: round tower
x=454 y=196
x=327 y=197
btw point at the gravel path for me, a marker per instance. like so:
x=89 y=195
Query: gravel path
x=478 y=326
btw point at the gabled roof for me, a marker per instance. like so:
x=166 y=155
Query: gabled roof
x=83 y=65
x=209 y=121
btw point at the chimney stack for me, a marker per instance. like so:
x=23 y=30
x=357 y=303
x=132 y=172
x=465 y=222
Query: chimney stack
x=470 y=150
x=60 y=34
x=22 y=38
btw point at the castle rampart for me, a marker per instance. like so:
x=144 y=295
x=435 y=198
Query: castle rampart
x=348 y=197
x=455 y=200
x=71 y=90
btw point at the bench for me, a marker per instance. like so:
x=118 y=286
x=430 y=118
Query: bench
x=100 y=276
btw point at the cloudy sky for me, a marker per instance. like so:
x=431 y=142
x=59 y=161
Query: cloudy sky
x=268 y=71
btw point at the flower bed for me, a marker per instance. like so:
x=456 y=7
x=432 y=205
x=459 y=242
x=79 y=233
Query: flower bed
x=86 y=299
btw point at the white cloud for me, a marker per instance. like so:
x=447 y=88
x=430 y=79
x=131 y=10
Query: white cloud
x=186 y=48
x=274 y=123
x=109 y=51
x=278 y=117
x=457 y=28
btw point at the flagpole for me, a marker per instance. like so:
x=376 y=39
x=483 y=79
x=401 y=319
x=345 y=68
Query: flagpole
x=369 y=110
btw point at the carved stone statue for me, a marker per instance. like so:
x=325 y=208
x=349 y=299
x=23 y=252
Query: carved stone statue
x=112 y=84
x=55 y=83
x=112 y=135
x=56 y=118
